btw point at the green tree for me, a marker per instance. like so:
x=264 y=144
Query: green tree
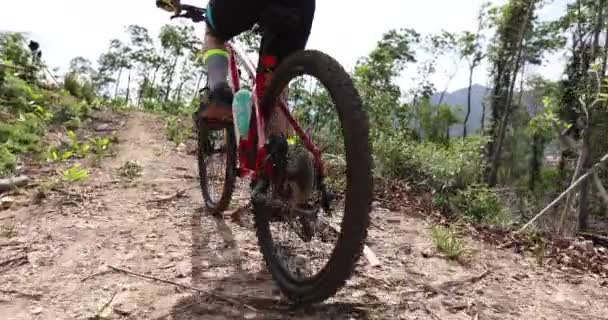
x=470 y=48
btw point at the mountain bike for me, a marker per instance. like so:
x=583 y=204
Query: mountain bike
x=267 y=160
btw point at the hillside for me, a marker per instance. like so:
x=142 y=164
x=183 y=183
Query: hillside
x=458 y=100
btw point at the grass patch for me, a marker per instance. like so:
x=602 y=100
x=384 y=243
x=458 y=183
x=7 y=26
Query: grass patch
x=447 y=242
x=130 y=170
x=177 y=130
x=74 y=174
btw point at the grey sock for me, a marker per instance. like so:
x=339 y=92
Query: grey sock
x=217 y=70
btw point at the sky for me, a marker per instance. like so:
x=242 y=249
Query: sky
x=345 y=29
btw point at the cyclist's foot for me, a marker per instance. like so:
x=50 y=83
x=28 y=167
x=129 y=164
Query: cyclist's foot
x=216 y=106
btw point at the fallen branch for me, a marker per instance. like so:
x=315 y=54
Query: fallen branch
x=452 y=283
x=429 y=311
x=566 y=192
x=20 y=260
x=35 y=296
x=596 y=238
x=100 y=312
x=371 y=256
x=230 y=300
x=178 y=194
x=95 y=275
x=11 y=183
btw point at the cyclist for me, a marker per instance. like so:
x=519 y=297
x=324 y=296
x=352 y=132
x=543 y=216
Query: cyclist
x=229 y=18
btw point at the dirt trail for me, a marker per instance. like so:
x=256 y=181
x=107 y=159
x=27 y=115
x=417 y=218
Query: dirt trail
x=110 y=222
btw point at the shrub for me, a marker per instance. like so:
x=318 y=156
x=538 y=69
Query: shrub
x=7 y=160
x=447 y=242
x=442 y=167
x=481 y=204
x=74 y=174
x=79 y=88
x=177 y=131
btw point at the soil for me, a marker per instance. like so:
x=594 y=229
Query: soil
x=55 y=256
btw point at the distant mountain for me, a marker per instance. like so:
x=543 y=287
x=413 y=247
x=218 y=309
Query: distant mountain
x=458 y=101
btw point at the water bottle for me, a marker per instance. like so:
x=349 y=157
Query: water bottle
x=241 y=106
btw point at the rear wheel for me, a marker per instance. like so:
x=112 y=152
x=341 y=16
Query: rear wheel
x=216 y=166
x=317 y=223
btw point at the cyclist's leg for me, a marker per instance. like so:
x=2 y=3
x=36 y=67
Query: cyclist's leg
x=225 y=19
x=282 y=44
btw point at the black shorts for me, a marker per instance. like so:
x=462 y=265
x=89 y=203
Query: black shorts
x=229 y=18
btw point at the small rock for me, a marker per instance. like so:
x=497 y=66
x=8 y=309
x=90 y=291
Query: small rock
x=250 y=315
x=575 y=280
x=393 y=220
x=428 y=252
x=181 y=147
x=584 y=245
x=520 y=276
x=358 y=294
x=125 y=308
x=454 y=305
x=375 y=205
x=103 y=127
x=6 y=203
x=37 y=310
x=183 y=269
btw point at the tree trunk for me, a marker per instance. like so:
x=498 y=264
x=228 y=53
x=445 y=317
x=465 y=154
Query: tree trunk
x=127 y=97
x=497 y=151
x=198 y=85
x=483 y=117
x=170 y=78
x=140 y=92
x=583 y=210
x=153 y=82
x=117 y=83
x=535 y=161
x=605 y=58
x=466 y=117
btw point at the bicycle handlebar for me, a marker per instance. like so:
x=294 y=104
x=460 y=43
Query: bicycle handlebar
x=196 y=14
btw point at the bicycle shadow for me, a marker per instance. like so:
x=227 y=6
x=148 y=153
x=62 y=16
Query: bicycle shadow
x=241 y=293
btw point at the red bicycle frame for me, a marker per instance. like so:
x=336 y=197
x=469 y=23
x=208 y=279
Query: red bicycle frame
x=257 y=127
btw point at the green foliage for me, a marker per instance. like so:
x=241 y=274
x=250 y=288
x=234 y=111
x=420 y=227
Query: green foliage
x=55 y=155
x=130 y=170
x=435 y=121
x=118 y=105
x=79 y=148
x=18 y=95
x=74 y=174
x=7 y=160
x=73 y=124
x=177 y=131
x=22 y=134
x=447 y=242
x=78 y=87
x=442 y=167
x=100 y=145
x=480 y=204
